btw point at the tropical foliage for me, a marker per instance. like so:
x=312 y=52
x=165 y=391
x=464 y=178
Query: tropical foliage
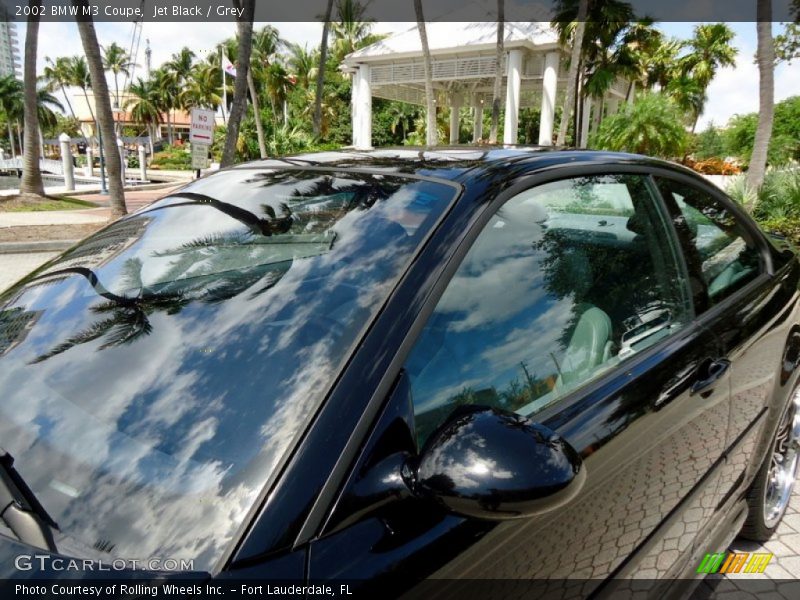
x=651 y=125
x=776 y=205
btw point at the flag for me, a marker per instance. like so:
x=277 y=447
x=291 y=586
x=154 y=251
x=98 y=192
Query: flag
x=228 y=67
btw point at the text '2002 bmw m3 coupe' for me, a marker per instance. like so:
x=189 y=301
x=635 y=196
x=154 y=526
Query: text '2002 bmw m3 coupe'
x=384 y=367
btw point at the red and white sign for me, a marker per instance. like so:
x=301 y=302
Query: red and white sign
x=202 y=128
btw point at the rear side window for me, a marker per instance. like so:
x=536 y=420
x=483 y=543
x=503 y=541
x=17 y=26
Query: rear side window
x=713 y=239
x=564 y=282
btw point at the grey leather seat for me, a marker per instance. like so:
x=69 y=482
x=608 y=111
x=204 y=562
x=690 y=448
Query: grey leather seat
x=589 y=347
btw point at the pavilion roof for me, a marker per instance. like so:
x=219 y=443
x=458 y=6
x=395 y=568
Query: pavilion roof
x=451 y=38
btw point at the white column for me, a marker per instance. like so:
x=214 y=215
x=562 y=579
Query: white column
x=632 y=92
x=455 y=107
x=123 y=163
x=66 y=162
x=362 y=109
x=355 y=108
x=514 y=63
x=477 y=125
x=89 y=162
x=585 y=122
x=142 y=163
x=549 y=89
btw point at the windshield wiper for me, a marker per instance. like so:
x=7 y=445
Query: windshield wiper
x=20 y=509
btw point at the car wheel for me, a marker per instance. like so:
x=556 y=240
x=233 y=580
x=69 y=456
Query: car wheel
x=772 y=489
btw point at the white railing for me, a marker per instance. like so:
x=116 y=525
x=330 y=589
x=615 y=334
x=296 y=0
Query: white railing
x=47 y=165
x=444 y=69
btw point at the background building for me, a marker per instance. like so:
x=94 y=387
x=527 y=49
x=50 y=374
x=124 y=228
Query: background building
x=9 y=47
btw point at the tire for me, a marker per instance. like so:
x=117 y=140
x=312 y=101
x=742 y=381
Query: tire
x=771 y=492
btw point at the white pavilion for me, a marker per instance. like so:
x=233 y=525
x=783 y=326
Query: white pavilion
x=463 y=61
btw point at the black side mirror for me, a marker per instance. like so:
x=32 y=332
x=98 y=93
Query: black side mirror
x=491 y=464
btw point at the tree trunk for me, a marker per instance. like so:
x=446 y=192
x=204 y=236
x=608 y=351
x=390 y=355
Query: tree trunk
x=498 y=75
x=69 y=104
x=431 y=134
x=31 y=175
x=105 y=117
x=240 y=88
x=19 y=138
x=262 y=143
x=572 y=76
x=765 y=57
x=323 y=57
x=11 y=139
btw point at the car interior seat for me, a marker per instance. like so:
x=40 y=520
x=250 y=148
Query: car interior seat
x=589 y=347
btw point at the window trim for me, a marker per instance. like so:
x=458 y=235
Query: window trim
x=752 y=235
x=657 y=210
x=330 y=492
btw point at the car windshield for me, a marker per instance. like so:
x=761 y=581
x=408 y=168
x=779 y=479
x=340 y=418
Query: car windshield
x=154 y=377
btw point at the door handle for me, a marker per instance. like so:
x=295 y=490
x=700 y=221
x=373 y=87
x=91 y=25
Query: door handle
x=710 y=371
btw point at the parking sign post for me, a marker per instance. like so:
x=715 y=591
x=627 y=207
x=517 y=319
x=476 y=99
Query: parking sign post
x=201 y=134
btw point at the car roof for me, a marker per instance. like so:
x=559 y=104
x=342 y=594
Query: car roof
x=456 y=163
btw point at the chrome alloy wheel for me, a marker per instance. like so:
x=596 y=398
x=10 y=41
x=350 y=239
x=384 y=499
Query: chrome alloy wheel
x=783 y=464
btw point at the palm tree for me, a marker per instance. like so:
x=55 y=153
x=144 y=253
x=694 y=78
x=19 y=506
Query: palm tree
x=58 y=75
x=323 y=55
x=245 y=24
x=609 y=31
x=80 y=77
x=144 y=105
x=179 y=69
x=203 y=88
x=431 y=136
x=181 y=64
x=266 y=42
x=45 y=103
x=711 y=49
x=302 y=62
x=574 y=66
x=498 y=75
x=31 y=174
x=11 y=104
x=401 y=113
x=351 y=31
x=116 y=60
x=167 y=95
x=105 y=118
x=765 y=57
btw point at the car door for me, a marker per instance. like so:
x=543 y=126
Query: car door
x=572 y=307
x=748 y=309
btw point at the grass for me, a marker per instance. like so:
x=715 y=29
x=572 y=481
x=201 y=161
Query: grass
x=21 y=204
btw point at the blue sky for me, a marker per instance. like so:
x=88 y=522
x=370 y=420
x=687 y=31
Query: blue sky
x=734 y=90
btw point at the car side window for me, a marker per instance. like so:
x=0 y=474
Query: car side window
x=712 y=238
x=564 y=282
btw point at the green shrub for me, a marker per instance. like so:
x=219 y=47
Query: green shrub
x=653 y=125
x=172 y=158
x=777 y=205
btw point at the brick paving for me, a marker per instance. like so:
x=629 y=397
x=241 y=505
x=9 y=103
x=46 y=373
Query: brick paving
x=780 y=579
x=134 y=200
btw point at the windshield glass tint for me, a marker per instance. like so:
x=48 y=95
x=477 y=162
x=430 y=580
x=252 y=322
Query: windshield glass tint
x=155 y=376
